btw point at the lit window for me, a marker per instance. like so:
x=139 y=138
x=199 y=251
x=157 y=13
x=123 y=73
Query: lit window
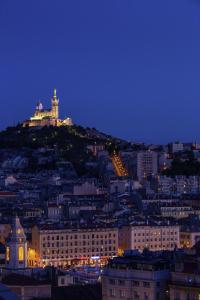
x=21 y=253
x=7 y=253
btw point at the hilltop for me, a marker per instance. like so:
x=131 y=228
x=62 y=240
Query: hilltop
x=64 y=143
x=49 y=136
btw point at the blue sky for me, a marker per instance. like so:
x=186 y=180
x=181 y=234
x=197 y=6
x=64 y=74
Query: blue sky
x=129 y=68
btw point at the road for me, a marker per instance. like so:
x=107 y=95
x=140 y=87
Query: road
x=120 y=169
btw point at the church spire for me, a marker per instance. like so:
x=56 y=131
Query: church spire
x=16 y=246
x=17 y=232
x=54 y=103
x=54 y=93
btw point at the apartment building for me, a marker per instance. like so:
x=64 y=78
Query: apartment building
x=154 y=237
x=147 y=164
x=153 y=276
x=67 y=246
x=165 y=185
x=189 y=236
x=176 y=211
x=185 y=285
x=179 y=185
x=185 y=277
x=135 y=276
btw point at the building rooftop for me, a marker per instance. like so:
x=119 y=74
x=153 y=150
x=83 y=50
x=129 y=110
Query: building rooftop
x=148 y=261
x=70 y=226
x=21 y=280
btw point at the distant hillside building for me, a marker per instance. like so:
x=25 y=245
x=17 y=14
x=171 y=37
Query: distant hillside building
x=176 y=147
x=147 y=164
x=47 y=117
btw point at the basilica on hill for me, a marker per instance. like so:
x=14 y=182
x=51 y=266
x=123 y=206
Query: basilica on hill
x=47 y=117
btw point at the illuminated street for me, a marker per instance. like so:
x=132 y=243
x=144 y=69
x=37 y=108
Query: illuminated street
x=120 y=169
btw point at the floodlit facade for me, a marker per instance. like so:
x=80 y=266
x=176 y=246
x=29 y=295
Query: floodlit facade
x=62 y=247
x=48 y=117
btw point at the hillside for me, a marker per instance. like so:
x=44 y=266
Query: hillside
x=67 y=143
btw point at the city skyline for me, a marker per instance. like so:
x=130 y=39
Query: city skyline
x=99 y=150
x=128 y=69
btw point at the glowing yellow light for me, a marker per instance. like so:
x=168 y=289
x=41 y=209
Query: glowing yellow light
x=7 y=253
x=21 y=253
x=31 y=254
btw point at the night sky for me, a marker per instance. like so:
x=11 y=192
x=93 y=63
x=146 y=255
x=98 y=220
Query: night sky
x=130 y=68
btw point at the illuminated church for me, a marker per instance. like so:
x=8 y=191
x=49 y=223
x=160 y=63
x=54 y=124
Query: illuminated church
x=47 y=117
x=16 y=247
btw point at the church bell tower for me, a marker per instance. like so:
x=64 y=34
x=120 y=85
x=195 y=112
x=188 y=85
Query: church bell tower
x=16 y=247
x=54 y=103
